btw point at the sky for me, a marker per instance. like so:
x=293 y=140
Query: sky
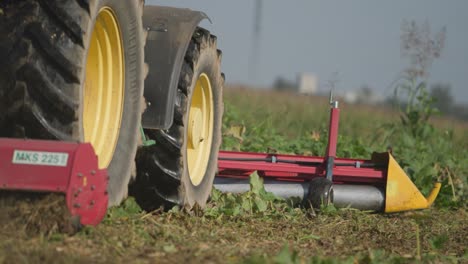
x=354 y=42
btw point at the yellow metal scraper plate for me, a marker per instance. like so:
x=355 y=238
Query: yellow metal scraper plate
x=402 y=194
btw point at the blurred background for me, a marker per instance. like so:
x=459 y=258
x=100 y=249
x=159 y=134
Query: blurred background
x=361 y=49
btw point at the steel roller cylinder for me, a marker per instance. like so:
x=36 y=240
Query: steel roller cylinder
x=281 y=189
x=362 y=197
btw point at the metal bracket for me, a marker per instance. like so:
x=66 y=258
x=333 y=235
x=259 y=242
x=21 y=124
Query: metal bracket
x=330 y=154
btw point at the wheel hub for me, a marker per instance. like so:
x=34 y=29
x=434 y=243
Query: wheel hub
x=103 y=95
x=195 y=128
x=200 y=129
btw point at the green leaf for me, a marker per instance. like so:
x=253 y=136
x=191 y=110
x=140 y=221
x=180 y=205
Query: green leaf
x=256 y=184
x=169 y=248
x=215 y=195
x=246 y=204
x=438 y=242
x=236 y=210
x=287 y=257
x=269 y=196
x=237 y=132
x=261 y=204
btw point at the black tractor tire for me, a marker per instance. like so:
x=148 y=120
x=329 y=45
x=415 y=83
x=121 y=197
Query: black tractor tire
x=163 y=178
x=43 y=53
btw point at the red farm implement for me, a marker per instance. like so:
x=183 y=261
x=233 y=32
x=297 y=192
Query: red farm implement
x=378 y=184
x=56 y=167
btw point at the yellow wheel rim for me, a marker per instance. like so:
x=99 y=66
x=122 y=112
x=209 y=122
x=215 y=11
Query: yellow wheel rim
x=200 y=129
x=103 y=96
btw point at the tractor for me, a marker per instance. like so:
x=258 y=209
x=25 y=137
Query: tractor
x=101 y=99
x=121 y=76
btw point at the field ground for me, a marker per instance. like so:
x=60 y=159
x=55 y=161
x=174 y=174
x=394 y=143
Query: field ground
x=260 y=121
x=346 y=236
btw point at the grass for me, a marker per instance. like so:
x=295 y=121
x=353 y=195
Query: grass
x=295 y=115
x=297 y=124
x=269 y=230
x=176 y=237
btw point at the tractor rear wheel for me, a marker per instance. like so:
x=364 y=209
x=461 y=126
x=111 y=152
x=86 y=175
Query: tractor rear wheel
x=180 y=168
x=74 y=70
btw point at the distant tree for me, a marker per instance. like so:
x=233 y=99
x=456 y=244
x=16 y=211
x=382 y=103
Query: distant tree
x=460 y=111
x=282 y=84
x=442 y=93
x=365 y=95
